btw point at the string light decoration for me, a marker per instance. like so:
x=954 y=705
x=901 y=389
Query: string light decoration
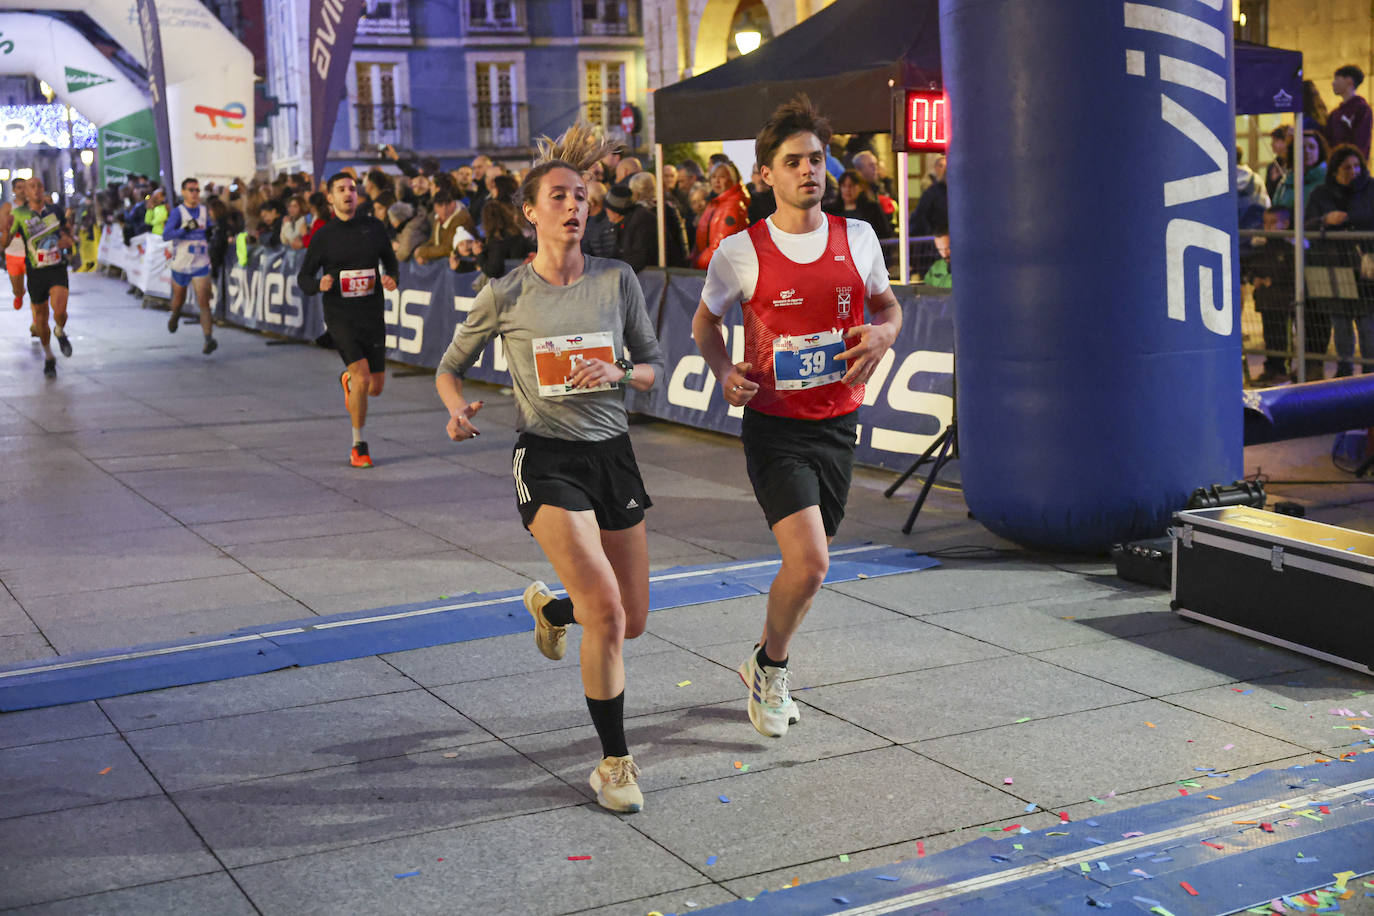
x=45 y=125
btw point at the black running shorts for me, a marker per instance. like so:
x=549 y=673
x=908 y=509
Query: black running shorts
x=600 y=476
x=358 y=336
x=794 y=464
x=43 y=279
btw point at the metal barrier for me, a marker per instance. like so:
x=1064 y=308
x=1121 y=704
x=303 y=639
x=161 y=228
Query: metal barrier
x=1336 y=314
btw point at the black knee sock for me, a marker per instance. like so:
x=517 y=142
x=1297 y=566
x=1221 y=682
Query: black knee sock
x=768 y=662
x=559 y=612
x=609 y=718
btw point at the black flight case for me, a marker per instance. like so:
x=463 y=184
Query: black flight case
x=1289 y=581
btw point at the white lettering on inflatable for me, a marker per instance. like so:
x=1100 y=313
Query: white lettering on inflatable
x=1181 y=235
x=1208 y=184
x=1167 y=22
x=901 y=397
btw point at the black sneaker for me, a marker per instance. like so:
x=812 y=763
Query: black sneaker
x=173 y=321
x=64 y=344
x=50 y=367
x=211 y=345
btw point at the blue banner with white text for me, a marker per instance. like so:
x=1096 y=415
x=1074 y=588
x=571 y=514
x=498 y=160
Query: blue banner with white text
x=908 y=401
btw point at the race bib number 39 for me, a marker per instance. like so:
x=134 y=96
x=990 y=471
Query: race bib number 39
x=807 y=360
x=47 y=257
x=356 y=283
x=557 y=358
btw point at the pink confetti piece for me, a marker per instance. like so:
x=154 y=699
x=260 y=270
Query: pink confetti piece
x=1133 y=833
x=1007 y=781
x=1228 y=747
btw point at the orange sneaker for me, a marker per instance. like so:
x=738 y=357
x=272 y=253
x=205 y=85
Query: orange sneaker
x=343 y=380
x=359 y=458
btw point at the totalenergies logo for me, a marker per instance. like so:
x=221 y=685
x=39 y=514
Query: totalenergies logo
x=232 y=113
x=574 y=340
x=812 y=339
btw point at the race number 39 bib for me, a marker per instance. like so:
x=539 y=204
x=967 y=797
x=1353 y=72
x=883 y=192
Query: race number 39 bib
x=47 y=257
x=356 y=283
x=807 y=360
x=557 y=358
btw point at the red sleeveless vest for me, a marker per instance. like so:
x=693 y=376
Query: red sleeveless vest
x=800 y=302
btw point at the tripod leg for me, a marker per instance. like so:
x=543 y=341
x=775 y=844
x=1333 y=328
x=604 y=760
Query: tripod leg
x=946 y=441
x=915 y=465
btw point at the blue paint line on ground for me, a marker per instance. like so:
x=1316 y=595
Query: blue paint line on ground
x=356 y=634
x=1251 y=867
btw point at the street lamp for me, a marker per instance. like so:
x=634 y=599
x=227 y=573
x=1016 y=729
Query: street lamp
x=748 y=40
x=87 y=157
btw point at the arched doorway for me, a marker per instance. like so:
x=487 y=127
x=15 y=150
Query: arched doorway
x=721 y=19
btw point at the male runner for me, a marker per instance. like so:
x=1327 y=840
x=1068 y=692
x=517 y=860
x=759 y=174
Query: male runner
x=347 y=249
x=187 y=228
x=43 y=227
x=802 y=278
x=14 y=252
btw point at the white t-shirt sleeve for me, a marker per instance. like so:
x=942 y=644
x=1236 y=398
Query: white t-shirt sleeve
x=725 y=275
x=867 y=253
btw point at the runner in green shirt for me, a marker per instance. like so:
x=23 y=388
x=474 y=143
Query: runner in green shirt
x=43 y=227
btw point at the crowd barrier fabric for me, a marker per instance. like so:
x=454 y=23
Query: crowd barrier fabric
x=908 y=401
x=146 y=260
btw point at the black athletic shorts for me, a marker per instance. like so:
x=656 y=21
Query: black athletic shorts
x=794 y=464
x=42 y=279
x=601 y=476
x=359 y=336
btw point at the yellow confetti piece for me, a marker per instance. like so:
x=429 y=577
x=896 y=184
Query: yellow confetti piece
x=1018 y=847
x=106 y=770
x=1218 y=798
x=684 y=683
x=1342 y=878
x=1149 y=725
x=451 y=754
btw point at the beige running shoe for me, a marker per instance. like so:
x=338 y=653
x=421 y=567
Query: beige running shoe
x=616 y=783
x=551 y=640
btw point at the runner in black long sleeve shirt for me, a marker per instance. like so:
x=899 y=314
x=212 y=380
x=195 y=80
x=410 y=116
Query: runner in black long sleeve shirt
x=348 y=250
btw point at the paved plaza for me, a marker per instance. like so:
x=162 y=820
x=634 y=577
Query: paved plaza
x=153 y=494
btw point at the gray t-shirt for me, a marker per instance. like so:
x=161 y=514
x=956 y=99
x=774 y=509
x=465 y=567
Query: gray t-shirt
x=602 y=308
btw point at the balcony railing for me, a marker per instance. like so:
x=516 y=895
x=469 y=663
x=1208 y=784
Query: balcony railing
x=501 y=125
x=381 y=124
x=495 y=16
x=609 y=17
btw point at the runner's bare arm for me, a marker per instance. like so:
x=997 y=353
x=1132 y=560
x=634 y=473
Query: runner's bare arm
x=735 y=385
x=874 y=338
x=460 y=411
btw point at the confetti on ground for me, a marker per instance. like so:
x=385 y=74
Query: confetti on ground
x=1023 y=719
x=451 y=754
x=1093 y=901
x=796 y=882
x=106 y=770
x=1203 y=769
x=1215 y=797
x=1228 y=747
x=1007 y=781
x=579 y=858
x=1095 y=841
x=1063 y=817
x=739 y=764
x=1056 y=833
x=723 y=799
x=1096 y=799
x=920 y=849
x=1160 y=860
x=684 y=683
x=1133 y=833
x=1030 y=807
x=1266 y=827
x=1085 y=867
x=1182 y=791
x=1245 y=822
x=885 y=877
x=1141 y=873
x=711 y=860
x=1306 y=859
x=1342 y=878
x=1103 y=866
x=1149 y=725
x=1160 y=911
x=841 y=900
x=1146 y=900
x=1213 y=845
x=1018 y=847
x=1187 y=887
x=409 y=874
x=1011 y=828
x=1277 y=706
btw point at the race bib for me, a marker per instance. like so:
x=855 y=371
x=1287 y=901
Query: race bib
x=47 y=257
x=557 y=358
x=356 y=283
x=807 y=360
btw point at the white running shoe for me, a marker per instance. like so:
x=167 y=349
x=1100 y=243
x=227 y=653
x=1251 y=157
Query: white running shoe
x=552 y=641
x=616 y=783
x=771 y=707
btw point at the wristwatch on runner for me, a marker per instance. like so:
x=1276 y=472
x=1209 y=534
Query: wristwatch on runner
x=628 y=367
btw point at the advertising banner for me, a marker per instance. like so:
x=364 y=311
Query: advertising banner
x=157 y=89
x=332 y=27
x=908 y=401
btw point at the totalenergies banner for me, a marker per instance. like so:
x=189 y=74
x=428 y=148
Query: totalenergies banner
x=83 y=77
x=209 y=80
